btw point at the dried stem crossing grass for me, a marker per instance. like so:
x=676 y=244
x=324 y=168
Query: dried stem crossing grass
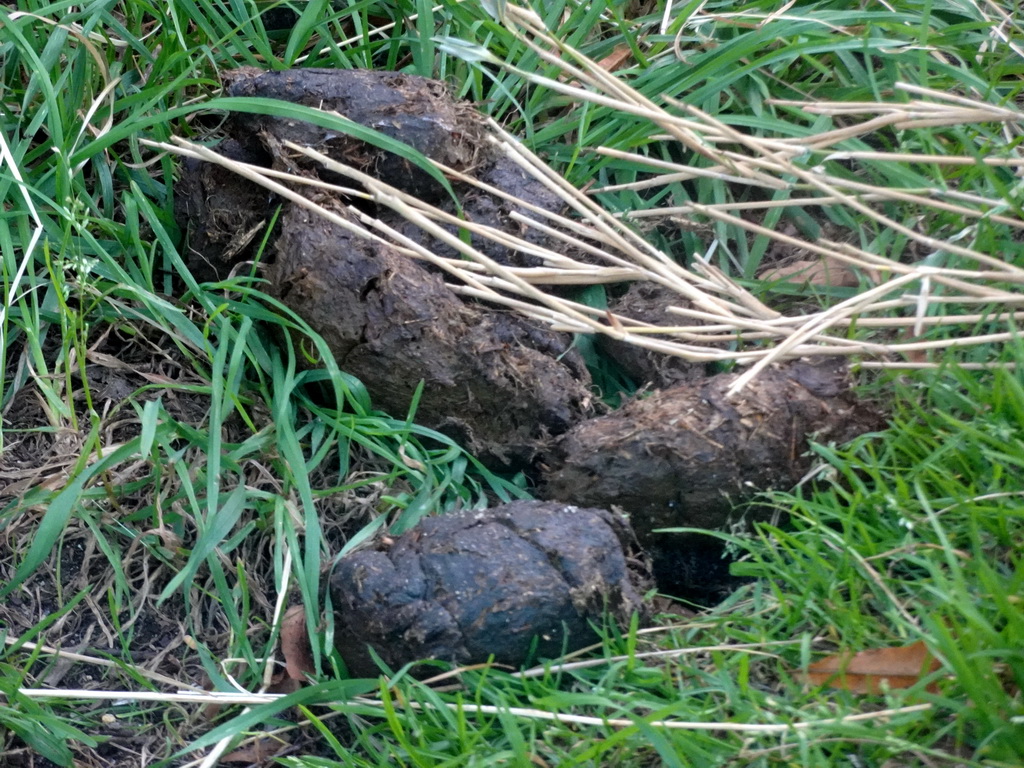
x=734 y=324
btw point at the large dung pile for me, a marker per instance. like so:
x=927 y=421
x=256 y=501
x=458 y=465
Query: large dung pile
x=496 y=382
x=524 y=580
x=513 y=392
x=416 y=111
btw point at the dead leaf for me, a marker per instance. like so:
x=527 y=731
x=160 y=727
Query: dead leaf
x=283 y=684
x=864 y=672
x=295 y=647
x=259 y=752
x=829 y=273
x=410 y=462
x=620 y=54
x=673 y=607
x=207 y=711
x=913 y=355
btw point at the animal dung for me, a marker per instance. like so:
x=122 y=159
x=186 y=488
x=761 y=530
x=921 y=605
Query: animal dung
x=513 y=583
x=686 y=455
x=514 y=393
x=491 y=379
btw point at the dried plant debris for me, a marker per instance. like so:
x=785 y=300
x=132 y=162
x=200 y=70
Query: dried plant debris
x=520 y=581
x=220 y=211
x=483 y=207
x=684 y=456
x=648 y=302
x=491 y=379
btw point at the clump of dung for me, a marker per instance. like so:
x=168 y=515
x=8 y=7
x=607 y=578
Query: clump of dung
x=517 y=582
x=493 y=380
x=688 y=455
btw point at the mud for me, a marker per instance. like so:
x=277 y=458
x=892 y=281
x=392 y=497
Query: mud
x=514 y=583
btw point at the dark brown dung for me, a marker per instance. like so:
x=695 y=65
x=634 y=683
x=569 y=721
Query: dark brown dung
x=648 y=302
x=684 y=456
x=520 y=581
x=488 y=209
x=414 y=110
x=492 y=379
x=223 y=213
x=219 y=209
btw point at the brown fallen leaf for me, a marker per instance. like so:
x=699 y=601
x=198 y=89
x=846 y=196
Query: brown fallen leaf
x=283 y=683
x=207 y=711
x=620 y=54
x=259 y=752
x=863 y=672
x=298 y=656
x=913 y=355
x=673 y=607
x=830 y=273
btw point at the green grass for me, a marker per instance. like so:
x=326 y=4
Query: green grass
x=232 y=472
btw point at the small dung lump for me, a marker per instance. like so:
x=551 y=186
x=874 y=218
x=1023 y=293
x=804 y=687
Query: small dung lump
x=514 y=582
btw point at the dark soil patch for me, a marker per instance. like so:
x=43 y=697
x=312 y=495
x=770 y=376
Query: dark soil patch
x=65 y=605
x=97 y=593
x=120 y=366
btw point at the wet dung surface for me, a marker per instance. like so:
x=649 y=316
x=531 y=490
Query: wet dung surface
x=520 y=581
x=489 y=209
